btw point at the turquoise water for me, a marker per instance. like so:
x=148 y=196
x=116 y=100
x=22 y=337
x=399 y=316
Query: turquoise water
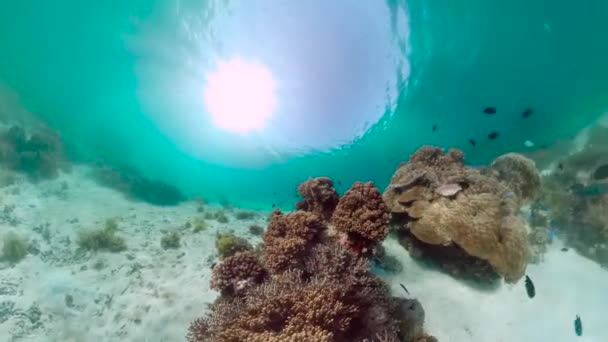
x=145 y=147
x=119 y=81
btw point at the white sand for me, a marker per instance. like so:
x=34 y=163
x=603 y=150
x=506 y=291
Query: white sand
x=151 y=294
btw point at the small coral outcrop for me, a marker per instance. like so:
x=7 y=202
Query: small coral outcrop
x=14 y=248
x=228 y=244
x=306 y=286
x=319 y=197
x=520 y=175
x=237 y=273
x=39 y=155
x=289 y=238
x=442 y=209
x=362 y=217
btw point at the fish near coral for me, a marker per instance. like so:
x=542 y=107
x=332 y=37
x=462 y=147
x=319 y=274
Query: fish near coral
x=578 y=326
x=448 y=190
x=530 y=287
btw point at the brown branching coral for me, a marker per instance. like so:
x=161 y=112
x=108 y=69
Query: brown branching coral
x=480 y=216
x=288 y=238
x=319 y=195
x=310 y=290
x=286 y=308
x=237 y=273
x=362 y=215
x=520 y=175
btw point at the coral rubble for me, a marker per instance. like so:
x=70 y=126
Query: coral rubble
x=467 y=219
x=306 y=286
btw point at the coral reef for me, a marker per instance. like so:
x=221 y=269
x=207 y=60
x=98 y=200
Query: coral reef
x=40 y=155
x=170 y=241
x=437 y=200
x=319 y=197
x=520 y=175
x=362 y=216
x=228 y=244
x=14 y=248
x=576 y=197
x=289 y=238
x=135 y=186
x=237 y=273
x=306 y=287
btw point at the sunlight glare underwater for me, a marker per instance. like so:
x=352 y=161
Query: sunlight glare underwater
x=240 y=95
x=247 y=85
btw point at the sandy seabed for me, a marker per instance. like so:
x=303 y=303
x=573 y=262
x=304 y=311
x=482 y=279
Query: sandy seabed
x=150 y=294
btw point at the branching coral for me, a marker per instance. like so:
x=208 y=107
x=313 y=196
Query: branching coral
x=362 y=215
x=320 y=197
x=286 y=308
x=480 y=216
x=289 y=238
x=309 y=289
x=237 y=273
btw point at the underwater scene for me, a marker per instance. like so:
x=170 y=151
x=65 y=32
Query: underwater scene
x=303 y=171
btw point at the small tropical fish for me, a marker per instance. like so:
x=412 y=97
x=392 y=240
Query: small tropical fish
x=508 y=194
x=528 y=143
x=339 y=182
x=404 y=289
x=578 y=326
x=527 y=113
x=552 y=234
x=530 y=287
x=590 y=190
x=472 y=142
x=434 y=128
x=560 y=166
x=493 y=135
x=274 y=205
x=490 y=110
x=565 y=249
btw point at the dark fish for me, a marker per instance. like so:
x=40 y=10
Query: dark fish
x=590 y=190
x=530 y=287
x=578 y=326
x=527 y=113
x=564 y=249
x=493 y=135
x=404 y=289
x=339 y=183
x=273 y=205
x=490 y=110
x=472 y=142
x=434 y=128
x=560 y=166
